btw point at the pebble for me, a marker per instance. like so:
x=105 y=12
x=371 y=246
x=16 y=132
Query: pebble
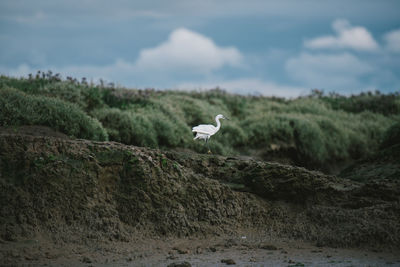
x=180 y=264
x=86 y=260
x=268 y=247
x=228 y=261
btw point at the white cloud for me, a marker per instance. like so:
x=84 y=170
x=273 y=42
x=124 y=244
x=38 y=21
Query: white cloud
x=332 y=71
x=184 y=54
x=248 y=86
x=347 y=36
x=392 y=40
x=188 y=51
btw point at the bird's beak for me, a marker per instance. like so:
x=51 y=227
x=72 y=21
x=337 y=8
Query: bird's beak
x=227 y=118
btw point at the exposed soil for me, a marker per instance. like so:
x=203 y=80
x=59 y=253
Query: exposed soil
x=76 y=201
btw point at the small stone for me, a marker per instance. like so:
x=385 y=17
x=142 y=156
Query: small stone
x=31 y=257
x=230 y=243
x=213 y=249
x=50 y=255
x=181 y=250
x=86 y=260
x=199 y=250
x=228 y=261
x=172 y=257
x=180 y=264
x=268 y=247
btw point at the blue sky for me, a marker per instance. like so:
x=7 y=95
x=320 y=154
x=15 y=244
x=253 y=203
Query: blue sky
x=282 y=48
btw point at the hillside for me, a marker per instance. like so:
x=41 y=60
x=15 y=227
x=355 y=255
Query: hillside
x=84 y=192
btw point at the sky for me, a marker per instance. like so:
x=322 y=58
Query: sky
x=281 y=48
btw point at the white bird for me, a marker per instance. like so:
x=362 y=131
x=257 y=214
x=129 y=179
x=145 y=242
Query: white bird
x=205 y=131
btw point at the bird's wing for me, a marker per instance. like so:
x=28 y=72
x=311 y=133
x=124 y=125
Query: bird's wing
x=204 y=129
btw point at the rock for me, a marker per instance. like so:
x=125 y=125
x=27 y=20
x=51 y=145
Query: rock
x=172 y=257
x=199 y=250
x=86 y=260
x=180 y=264
x=268 y=247
x=181 y=250
x=228 y=261
x=31 y=257
x=212 y=249
x=230 y=243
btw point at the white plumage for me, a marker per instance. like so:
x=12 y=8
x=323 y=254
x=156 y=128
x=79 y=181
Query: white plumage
x=205 y=131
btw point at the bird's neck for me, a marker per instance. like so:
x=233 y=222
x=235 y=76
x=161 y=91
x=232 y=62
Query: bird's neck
x=218 y=123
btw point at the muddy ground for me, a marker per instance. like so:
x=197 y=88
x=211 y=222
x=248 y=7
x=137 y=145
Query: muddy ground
x=245 y=249
x=92 y=203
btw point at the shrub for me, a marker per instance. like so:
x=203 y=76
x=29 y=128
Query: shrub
x=391 y=136
x=18 y=108
x=87 y=97
x=319 y=134
x=128 y=128
x=386 y=104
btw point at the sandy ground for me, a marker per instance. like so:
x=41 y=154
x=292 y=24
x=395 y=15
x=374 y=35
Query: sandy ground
x=244 y=250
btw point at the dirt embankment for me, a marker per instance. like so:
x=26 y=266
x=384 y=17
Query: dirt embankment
x=77 y=191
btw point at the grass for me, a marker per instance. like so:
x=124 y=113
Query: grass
x=320 y=128
x=18 y=108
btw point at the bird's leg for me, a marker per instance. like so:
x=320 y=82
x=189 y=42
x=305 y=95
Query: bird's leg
x=208 y=146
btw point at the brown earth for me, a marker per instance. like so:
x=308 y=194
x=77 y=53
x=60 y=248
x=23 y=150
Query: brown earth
x=63 y=198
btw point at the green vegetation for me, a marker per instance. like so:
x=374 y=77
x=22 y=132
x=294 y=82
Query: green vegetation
x=392 y=136
x=18 y=108
x=314 y=131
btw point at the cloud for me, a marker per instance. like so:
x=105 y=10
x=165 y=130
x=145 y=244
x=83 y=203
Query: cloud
x=188 y=51
x=248 y=86
x=185 y=54
x=333 y=71
x=347 y=36
x=392 y=40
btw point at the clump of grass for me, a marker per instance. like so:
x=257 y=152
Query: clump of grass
x=18 y=108
x=376 y=102
x=87 y=96
x=318 y=133
x=391 y=136
x=125 y=127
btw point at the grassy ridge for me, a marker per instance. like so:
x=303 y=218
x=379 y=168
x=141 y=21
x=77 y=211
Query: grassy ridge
x=317 y=129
